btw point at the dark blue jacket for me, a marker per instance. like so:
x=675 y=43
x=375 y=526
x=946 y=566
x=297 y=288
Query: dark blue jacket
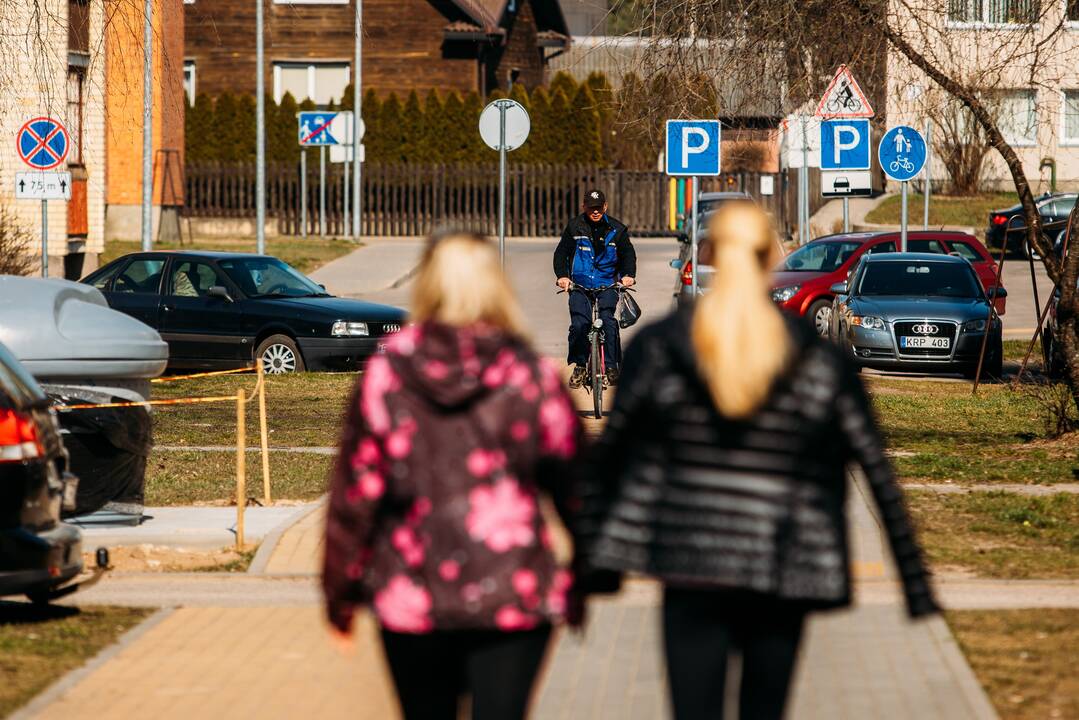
x=595 y=255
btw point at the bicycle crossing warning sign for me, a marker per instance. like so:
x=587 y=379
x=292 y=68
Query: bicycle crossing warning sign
x=844 y=98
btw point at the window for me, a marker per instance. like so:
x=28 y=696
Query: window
x=323 y=82
x=966 y=251
x=101 y=282
x=1018 y=118
x=820 y=256
x=994 y=12
x=1071 y=9
x=78 y=25
x=192 y=279
x=76 y=81
x=886 y=247
x=189 y=81
x=925 y=246
x=140 y=276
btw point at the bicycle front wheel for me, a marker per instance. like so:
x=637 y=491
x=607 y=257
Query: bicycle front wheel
x=596 y=371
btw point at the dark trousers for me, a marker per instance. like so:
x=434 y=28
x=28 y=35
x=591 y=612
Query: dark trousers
x=432 y=672
x=580 y=320
x=701 y=627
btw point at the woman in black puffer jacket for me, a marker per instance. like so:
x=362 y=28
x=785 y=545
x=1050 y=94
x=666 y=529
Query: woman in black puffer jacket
x=722 y=473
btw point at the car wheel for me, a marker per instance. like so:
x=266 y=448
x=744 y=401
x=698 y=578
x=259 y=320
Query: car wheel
x=39 y=597
x=820 y=314
x=1054 y=358
x=280 y=355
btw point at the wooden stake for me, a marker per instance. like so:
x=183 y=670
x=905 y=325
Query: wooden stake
x=265 y=436
x=241 y=468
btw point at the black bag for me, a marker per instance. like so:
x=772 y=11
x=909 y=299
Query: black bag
x=629 y=312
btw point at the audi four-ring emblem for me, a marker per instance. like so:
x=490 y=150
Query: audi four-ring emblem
x=391 y=328
x=925 y=329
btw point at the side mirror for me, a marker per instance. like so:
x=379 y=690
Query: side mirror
x=996 y=292
x=840 y=288
x=219 y=292
x=676 y=264
x=323 y=287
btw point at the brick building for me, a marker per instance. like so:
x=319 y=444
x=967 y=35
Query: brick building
x=408 y=44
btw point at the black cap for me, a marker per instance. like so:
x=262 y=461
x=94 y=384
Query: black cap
x=595 y=199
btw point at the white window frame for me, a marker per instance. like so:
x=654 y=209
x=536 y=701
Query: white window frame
x=309 y=2
x=1063 y=139
x=311 y=65
x=190 y=62
x=1025 y=143
x=986 y=25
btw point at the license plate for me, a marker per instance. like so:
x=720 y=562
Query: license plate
x=925 y=342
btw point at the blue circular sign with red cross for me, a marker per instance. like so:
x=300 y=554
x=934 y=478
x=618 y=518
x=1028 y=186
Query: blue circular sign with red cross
x=42 y=143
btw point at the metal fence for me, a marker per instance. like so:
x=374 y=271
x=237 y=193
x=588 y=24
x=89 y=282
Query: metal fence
x=411 y=199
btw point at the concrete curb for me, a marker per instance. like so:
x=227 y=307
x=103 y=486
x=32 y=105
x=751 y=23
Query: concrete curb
x=965 y=680
x=269 y=543
x=55 y=691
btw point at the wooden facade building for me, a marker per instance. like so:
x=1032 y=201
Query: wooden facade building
x=463 y=45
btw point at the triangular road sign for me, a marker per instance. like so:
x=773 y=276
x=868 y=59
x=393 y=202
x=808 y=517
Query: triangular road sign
x=844 y=98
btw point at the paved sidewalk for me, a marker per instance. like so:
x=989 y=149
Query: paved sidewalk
x=829 y=218
x=371 y=268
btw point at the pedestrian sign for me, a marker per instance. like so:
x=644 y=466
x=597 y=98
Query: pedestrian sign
x=844 y=144
x=844 y=98
x=320 y=128
x=42 y=143
x=692 y=147
x=901 y=153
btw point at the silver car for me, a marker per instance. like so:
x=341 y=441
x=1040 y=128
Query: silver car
x=917 y=312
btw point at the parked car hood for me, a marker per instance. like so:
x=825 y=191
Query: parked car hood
x=785 y=278
x=891 y=308
x=343 y=308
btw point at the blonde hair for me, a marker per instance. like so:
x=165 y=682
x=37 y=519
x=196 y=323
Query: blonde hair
x=741 y=340
x=460 y=282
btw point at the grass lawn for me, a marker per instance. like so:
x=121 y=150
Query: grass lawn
x=1025 y=659
x=943 y=210
x=998 y=534
x=940 y=432
x=302 y=411
x=39 y=645
x=304 y=255
x=1017 y=349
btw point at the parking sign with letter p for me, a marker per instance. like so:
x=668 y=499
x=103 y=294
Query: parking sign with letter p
x=845 y=144
x=693 y=147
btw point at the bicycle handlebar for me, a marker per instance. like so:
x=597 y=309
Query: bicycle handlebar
x=590 y=291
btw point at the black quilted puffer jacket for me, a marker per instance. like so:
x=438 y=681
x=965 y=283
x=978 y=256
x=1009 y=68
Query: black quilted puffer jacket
x=675 y=491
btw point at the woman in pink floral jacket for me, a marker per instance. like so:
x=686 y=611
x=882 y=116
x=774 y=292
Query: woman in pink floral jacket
x=434 y=519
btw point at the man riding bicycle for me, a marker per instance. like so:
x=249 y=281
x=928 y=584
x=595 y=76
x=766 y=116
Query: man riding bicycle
x=595 y=251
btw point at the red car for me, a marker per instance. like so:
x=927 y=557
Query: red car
x=802 y=282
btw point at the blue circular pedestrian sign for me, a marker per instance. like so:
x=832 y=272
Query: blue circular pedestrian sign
x=42 y=143
x=901 y=153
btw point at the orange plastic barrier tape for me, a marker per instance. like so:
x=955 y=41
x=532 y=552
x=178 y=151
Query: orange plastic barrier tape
x=175 y=378
x=147 y=403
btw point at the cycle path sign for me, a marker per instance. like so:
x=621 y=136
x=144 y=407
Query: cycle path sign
x=902 y=153
x=844 y=98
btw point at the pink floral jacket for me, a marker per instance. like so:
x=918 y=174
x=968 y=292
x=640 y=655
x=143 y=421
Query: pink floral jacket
x=433 y=518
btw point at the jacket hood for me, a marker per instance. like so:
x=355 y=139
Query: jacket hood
x=454 y=366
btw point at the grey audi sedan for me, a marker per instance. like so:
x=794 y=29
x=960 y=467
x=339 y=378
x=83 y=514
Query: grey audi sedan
x=917 y=312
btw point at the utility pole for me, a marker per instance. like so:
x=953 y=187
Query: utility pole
x=260 y=134
x=147 y=126
x=357 y=119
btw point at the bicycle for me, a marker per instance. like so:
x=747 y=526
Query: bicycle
x=597 y=375
x=846 y=103
x=904 y=163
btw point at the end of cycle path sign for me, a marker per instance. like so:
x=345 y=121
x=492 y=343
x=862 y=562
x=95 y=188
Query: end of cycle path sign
x=693 y=147
x=42 y=143
x=901 y=153
x=844 y=98
x=325 y=128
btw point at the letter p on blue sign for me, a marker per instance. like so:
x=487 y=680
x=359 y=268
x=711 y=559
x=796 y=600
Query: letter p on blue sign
x=692 y=147
x=845 y=144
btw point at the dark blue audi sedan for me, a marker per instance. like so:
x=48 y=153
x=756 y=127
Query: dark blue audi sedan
x=917 y=312
x=222 y=310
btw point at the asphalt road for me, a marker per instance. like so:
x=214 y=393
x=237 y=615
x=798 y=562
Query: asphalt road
x=1021 y=317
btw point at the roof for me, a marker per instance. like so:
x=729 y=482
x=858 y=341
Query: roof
x=462 y=30
x=214 y=254
x=920 y=257
x=488 y=14
x=915 y=234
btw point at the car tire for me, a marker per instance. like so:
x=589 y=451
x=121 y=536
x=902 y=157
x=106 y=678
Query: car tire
x=280 y=355
x=1053 y=357
x=992 y=367
x=820 y=315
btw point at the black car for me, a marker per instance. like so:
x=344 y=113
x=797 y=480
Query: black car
x=223 y=310
x=39 y=555
x=1052 y=350
x=1054 y=210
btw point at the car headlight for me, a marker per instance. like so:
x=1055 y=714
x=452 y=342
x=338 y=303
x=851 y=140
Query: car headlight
x=869 y=322
x=343 y=328
x=783 y=294
x=978 y=325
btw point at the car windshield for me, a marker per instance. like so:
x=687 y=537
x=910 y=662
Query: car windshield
x=268 y=277
x=820 y=257
x=920 y=279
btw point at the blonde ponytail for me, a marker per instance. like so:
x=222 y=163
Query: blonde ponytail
x=740 y=338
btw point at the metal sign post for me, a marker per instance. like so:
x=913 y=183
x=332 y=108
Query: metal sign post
x=693 y=150
x=147 y=126
x=344 y=199
x=44 y=238
x=303 y=192
x=260 y=135
x=846 y=215
x=696 y=234
x=322 y=191
x=504 y=126
x=901 y=154
x=357 y=128
x=42 y=143
x=928 y=176
x=803 y=187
